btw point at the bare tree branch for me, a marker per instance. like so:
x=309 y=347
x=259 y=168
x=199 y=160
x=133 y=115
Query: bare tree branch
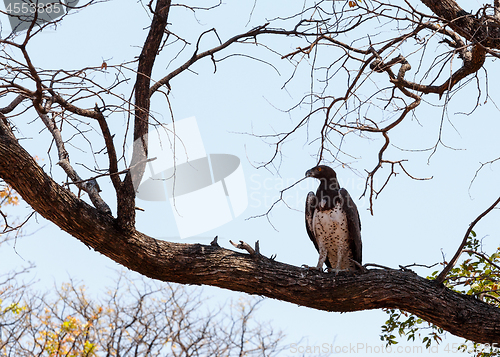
x=126 y=194
x=442 y=276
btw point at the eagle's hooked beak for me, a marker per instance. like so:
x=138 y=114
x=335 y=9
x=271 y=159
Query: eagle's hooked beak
x=309 y=173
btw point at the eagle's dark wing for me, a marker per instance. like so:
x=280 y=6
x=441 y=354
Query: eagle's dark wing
x=311 y=203
x=353 y=224
x=310 y=208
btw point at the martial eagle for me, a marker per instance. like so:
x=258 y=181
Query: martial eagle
x=332 y=222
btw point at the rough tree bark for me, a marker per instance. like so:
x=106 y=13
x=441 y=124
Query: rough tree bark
x=211 y=265
x=117 y=238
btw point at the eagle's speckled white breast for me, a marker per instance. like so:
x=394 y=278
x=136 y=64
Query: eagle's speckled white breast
x=332 y=235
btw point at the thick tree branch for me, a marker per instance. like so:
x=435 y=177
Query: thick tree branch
x=91 y=187
x=459 y=314
x=126 y=194
x=18 y=100
x=475 y=29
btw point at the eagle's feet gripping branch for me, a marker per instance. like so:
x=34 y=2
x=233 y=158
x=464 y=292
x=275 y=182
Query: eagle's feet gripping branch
x=305 y=266
x=336 y=271
x=328 y=270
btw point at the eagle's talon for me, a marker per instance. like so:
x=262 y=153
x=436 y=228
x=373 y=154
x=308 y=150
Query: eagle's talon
x=331 y=270
x=307 y=267
x=336 y=271
x=360 y=267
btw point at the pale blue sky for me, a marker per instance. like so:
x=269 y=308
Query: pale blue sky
x=413 y=222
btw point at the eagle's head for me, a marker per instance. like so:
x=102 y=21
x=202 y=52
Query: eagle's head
x=326 y=175
x=321 y=172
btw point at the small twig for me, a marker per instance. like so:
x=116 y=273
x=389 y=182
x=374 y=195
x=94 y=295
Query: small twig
x=110 y=174
x=479 y=169
x=377 y=266
x=8 y=228
x=197 y=56
x=247 y=247
x=482 y=294
x=108 y=140
x=482 y=256
x=214 y=243
x=440 y=278
x=277 y=201
x=418 y=265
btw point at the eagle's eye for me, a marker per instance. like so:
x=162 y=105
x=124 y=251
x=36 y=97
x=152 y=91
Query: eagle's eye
x=319 y=168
